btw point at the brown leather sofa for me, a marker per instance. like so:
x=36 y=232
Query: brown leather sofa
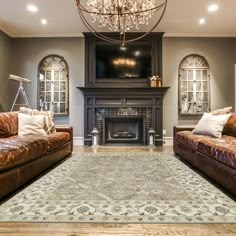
x=22 y=158
x=216 y=157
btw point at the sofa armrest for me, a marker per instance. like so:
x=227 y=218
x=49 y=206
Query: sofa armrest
x=68 y=129
x=182 y=128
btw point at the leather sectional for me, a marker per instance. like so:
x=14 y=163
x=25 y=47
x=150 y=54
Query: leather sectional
x=23 y=158
x=216 y=157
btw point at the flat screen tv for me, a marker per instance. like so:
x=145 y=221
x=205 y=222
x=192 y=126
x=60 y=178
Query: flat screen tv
x=131 y=61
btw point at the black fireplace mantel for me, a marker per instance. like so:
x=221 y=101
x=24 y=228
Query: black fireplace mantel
x=148 y=91
x=144 y=101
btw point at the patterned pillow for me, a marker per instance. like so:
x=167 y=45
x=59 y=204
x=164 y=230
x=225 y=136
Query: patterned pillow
x=31 y=125
x=230 y=127
x=49 y=124
x=223 y=111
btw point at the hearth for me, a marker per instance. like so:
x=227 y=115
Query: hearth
x=123 y=130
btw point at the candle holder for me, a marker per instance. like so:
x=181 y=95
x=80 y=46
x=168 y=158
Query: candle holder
x=151 y=137
x=95 y=133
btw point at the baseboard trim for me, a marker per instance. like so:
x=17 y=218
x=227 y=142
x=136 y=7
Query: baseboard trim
x=78 y=141
x=167 y=141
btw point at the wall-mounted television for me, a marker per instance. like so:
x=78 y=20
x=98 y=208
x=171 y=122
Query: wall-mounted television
x=129 y=61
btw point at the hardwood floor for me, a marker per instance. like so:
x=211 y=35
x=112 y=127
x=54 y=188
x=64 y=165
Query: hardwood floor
x=76 y=229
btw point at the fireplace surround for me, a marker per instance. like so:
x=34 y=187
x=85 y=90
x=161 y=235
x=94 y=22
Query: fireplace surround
x=123 y=103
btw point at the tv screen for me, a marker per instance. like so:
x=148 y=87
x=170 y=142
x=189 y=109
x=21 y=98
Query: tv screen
x=130 y=61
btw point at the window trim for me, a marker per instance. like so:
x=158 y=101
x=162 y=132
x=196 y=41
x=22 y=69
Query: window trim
x=40 y=66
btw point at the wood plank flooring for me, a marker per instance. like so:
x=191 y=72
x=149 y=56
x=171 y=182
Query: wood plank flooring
x=76 y=229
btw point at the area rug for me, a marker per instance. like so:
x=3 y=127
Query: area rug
x=123 y=188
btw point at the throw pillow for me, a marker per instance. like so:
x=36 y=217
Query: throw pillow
x=49 y=124
x=31 y=125
x=226 y=110
x=211 y=125
x=230 y=126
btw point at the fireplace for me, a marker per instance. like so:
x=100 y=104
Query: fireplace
x=101 y=102
x=123 y=130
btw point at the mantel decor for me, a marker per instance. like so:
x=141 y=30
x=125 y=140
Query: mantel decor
x=121 y=16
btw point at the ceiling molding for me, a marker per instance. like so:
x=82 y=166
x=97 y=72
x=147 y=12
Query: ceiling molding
x=6 y=31
x=68 y=35
x=79 y=35
x=200 y=35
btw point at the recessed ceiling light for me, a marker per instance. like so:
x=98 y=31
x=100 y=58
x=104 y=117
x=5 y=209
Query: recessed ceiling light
x=44 y=22
x=32 y=8
x=202 y=21
x=213 y=7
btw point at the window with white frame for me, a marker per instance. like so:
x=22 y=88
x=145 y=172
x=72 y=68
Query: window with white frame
x=54 y=85
x=194 y=85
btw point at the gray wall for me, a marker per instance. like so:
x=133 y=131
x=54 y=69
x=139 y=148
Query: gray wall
x=27 y=53
x=5 y=68
x=220 y=53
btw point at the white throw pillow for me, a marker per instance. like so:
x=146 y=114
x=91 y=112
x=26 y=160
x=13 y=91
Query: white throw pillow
x=211 y=125
x=31 y=125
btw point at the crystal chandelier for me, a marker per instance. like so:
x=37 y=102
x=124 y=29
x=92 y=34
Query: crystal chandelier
x=121 y=16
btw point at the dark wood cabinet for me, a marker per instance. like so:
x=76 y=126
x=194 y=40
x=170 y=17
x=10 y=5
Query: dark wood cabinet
x=121 y=93
x=153 y=41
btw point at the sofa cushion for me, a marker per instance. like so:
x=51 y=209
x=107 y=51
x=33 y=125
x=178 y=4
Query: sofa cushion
x=222 y=149
x=17 y=150
x=8 y=124
x=230 y=126
x=57 y=139
x=189 y=139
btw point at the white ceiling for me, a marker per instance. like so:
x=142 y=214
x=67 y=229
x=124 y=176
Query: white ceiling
x=181 y=18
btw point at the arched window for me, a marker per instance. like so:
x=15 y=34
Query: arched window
x=53 y=77
x=194 y=85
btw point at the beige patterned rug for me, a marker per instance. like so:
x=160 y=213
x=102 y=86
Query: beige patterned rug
x=123 y=188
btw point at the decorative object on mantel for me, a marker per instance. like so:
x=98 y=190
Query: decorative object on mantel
x=155 y=81
x=159 y=81
x=95 y=133
x=151 y=137
x=121 y=16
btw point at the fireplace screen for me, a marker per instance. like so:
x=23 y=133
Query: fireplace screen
x=123 y=130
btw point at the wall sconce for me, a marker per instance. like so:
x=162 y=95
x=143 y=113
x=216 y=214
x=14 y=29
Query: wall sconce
x=95 y=133
x=151 y=137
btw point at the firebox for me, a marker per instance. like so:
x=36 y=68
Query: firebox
x=123 y=130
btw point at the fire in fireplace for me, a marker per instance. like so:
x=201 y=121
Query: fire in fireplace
x=123 y=130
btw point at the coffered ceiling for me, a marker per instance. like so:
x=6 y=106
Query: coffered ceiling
x=181 y=18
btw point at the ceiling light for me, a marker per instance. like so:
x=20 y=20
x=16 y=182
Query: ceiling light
x=121 y=17
x=44 y=22
x=137 y=53
x=213 y=7
x=123 y=48
x=32 y=8
x=202 y=21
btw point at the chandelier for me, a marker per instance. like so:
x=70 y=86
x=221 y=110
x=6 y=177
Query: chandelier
x=121 y=16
